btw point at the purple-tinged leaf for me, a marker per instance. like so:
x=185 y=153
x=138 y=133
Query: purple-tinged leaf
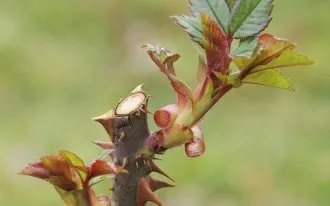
x=216 y=46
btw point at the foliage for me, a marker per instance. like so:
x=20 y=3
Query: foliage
x=214 y=25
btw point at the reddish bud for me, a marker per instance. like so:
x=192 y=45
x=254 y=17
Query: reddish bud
x=196 y=147
x=165 y=116
x=36 y=170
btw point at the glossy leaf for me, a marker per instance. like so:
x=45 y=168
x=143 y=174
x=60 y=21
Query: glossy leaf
x=250 y=17
x=272 y=78
x=218 y=10
x=246 y=47
x=215 y=45
x=75 y=162
x=273 y=53
x=192 y=26
x=231 y=3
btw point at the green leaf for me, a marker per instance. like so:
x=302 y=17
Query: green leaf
x=193 y=26
x=246 y=47
x=73 y=198
x=71 y=158
x=217 y=9
x=287 y=58
x=75 y=162
x=273 y=53
x=271 y=78
x=250 y=17
x=231 y=3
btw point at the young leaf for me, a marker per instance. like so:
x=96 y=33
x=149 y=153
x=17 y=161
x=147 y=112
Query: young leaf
x=215 y=45
x=164 y=59
x=217 y=9
x=192 y=26
x=75 y=162
x=246 y=47
x=231 y=3
x=272 y=78
x=274 y=53
x=73 y=198
x=250 y=17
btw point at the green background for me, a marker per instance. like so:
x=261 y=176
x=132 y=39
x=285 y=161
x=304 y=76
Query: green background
x=63 y=62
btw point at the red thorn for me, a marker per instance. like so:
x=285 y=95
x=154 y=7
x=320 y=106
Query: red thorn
x=104 y=144
x=157 y=184
x=106 y=120
x=155 y=168
x=145 y=194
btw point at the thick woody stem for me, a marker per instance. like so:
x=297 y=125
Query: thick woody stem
x=130 y=130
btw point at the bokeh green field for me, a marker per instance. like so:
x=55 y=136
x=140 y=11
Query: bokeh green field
x=63 y=62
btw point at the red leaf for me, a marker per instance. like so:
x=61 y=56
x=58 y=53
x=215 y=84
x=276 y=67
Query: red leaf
x=100 y=167
x=36 y=170
x=216 y=46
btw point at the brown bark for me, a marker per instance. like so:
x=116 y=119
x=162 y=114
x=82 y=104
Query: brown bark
x=127 y=126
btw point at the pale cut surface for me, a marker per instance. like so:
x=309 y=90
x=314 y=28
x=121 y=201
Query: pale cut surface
x=131 y=104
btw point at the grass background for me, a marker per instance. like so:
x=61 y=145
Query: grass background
x=63 y=62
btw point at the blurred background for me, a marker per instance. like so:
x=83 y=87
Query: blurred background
x=63 y=62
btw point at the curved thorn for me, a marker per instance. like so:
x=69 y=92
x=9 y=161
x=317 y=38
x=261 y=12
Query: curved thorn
x=145 y=194
x=155 y=168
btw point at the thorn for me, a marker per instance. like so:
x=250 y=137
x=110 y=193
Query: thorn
x=145 y=162
x=145 y=194
x=106 y=120
x=139 y=88
x=137 y=164
x=157 y=184
x=125 y=162
x=104 y=144
x=155 y=168
x=121 y=99
x=122 y=137
x=146 y=111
